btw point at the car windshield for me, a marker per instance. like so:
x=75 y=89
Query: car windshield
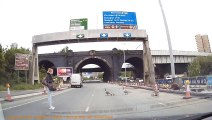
x=105 y=59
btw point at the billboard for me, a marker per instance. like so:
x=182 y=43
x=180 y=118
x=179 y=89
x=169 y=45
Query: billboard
x=21 y=61
x=64 y=71
x=119 y=20
x=79 y=24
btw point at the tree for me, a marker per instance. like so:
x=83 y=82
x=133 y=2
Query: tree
x=206 y=65
x=100 y=75
x=2 y=66
x=9 y=55
x=194 y=68
x=2 y=60
x=42 y=73
x=64 y=50
x=200 y=66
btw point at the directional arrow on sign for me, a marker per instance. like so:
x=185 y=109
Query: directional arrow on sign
x=104 y=35
x=80 y=36
x=127 y=35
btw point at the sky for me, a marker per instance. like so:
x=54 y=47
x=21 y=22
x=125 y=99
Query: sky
x=22 y=19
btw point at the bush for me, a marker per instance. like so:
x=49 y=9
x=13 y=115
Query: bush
x=26 y=87
x=175 y=86
x=3 y=88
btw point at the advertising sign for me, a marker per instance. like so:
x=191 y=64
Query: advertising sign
x=21 y=61
x=119 y=20
x=79 y=24
x=64 y=71
x=200 y=80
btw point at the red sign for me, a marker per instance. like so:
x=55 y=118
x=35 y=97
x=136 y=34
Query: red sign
x=120 y=27
x=21 y=61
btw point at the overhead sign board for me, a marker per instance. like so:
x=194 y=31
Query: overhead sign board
x=64 y=71
x=119 y=20
x=79 y=24
x=21 y=61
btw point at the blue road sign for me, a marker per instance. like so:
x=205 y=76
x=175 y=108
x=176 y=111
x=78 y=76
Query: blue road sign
x=127 y=35
x=119 y=18
x=103 y=35
x=209 y=78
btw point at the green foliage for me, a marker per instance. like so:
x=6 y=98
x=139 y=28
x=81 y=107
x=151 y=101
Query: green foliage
x=42 y=73
x=21 y=86
x=200 y=66
x=3 y=88
x=7 y=62
x=57 y=79
x=2 y=66
x=64 y=50
x=194 y=68
x=26 y=86
x=10 y=57
x=206 y=65
x=118 y=52
x=100 y=75
x=128 y=74
x=85 y=78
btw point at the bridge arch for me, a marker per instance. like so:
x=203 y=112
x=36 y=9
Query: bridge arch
x=47 y=64
x=102 y=63
x=138 y=66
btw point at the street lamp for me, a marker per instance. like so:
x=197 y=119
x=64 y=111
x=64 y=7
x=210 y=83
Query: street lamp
x=169 y=41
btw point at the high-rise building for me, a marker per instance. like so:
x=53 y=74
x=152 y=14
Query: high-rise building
x=203 y=44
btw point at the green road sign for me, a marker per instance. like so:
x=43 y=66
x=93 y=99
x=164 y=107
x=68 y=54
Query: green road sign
x=79 y=24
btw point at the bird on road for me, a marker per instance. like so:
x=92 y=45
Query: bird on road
x=108 y=93
x=125 y=92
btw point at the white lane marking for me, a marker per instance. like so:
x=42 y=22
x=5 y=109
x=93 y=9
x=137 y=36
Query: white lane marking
x=87 y=108
x=161 y=103
x=35 y=100
x=92 y=95
x=1 y=113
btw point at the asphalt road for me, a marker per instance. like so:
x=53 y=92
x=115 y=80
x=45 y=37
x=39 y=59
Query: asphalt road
x=91 y=102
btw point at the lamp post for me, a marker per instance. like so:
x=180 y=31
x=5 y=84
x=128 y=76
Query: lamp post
x=169 y=40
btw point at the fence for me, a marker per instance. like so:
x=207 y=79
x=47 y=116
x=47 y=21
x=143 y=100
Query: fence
x=195 y=82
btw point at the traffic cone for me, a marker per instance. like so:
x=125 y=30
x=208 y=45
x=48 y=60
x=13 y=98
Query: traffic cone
x=188 y=93
x=8 y=96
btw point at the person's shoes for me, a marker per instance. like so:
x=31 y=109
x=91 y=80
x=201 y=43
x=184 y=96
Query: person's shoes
x=52 y=108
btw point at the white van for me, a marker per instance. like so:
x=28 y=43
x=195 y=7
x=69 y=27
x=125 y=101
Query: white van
x=76 y=80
